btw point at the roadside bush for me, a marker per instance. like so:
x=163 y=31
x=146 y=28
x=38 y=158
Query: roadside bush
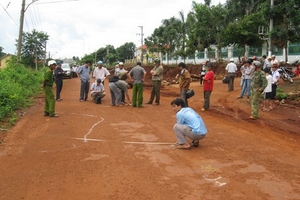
x=17 y=85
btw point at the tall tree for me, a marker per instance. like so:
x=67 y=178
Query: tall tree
x=286 y=16
x=126 y=51
x=33 y=48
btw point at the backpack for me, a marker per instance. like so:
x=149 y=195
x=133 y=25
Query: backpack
x=98 y=100
x=113 y=79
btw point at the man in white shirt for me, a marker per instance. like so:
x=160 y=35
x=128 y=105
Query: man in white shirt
x=276 y=77
x=231 y=69
x=100 y=72
x=97 y=90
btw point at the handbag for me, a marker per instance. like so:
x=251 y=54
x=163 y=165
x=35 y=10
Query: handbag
x=225 y=80
x=189 y=93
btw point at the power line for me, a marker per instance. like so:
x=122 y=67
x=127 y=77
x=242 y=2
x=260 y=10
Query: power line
x=8 y=13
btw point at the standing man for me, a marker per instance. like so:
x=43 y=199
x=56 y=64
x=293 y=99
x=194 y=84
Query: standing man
x=74 y=70
x=157 y=76
x=83 y=73
x=119 y=69
x=231 y=69
x=100 y=72
x=138 y=75
x=248 y=73
x=208 y=84
x=59 y=74
x=189 y=125
x=49 y=108
x=258 y=84
x=276 y=76
x=184 y=82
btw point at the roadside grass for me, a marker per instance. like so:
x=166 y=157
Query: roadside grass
x=19 y=85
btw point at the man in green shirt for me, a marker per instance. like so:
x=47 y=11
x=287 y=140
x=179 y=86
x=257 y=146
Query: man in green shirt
x=258 y=84
x=49 y=95
x=157 y=76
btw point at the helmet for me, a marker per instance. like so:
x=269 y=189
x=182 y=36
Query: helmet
x=257 y=63
x=99 y=62
x=51 y=62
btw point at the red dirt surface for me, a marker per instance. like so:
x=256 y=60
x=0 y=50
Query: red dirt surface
x=103 y=152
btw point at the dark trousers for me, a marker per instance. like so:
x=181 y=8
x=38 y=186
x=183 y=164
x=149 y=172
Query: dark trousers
x=231 y=81
x=155 y=92
x=206 y=99
x=59 y=85
x=84 y=89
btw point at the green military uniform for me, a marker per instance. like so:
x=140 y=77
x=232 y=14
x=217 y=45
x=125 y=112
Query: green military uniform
x=49 y=95
x=156 y=81
x=258 y=84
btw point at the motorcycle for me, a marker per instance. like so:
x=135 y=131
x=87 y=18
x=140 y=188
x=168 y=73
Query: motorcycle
x=285 y=74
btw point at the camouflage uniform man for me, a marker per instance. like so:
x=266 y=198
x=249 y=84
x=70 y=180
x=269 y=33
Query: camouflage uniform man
x=157 y=76
x=258 y=84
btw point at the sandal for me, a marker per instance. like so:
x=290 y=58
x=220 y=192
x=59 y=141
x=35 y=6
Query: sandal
x=195 y=143
x=184 y=147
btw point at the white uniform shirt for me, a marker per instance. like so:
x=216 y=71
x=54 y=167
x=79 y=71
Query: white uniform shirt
x=100 y=73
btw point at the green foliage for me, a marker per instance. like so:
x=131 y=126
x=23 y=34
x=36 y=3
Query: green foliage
x=17 y=85
x=280 y=94
x=33 y=47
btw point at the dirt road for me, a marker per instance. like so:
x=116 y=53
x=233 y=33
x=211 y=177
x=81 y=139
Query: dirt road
x=102 y=152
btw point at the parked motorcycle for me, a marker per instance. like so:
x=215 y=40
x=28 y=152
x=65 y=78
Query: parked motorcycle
x=285 y=74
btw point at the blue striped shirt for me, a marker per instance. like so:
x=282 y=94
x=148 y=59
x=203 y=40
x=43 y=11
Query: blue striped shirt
x=187 y=116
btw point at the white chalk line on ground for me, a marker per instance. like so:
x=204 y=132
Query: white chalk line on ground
x=215 y=180
x=91 y=129
x=126 y=142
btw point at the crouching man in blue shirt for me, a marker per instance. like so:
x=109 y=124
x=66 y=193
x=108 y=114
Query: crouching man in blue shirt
x=189 y=125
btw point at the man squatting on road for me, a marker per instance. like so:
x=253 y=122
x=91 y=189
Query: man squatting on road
x=189 y=125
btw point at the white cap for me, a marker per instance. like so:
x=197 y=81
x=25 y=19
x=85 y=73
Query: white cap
x=100 y=62
x=51 y=62
x=231 y=60
x=121 y=63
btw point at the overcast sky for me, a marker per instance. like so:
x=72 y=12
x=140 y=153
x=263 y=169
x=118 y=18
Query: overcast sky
x=79 y=27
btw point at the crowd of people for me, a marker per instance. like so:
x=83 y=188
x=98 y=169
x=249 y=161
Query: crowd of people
x=257 y=78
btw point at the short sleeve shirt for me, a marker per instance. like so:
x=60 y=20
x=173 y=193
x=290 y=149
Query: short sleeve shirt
x=48 y=76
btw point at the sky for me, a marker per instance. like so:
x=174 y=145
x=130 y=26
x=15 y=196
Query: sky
x=80 y=27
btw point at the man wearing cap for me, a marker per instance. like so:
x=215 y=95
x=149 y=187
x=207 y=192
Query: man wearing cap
x=100 y=72
x=157 y=76
x=120 y=69
x=273 y=60
x=59 y=74
x=49 y=109
x=97 y=90
x=258 y=84
x=267 y=62
x=83 y=73
x=231 y=69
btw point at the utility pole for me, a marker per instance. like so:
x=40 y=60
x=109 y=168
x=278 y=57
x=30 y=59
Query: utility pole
x=142 y=43
x=23 y=10
x=271 y=28
x=21 y=30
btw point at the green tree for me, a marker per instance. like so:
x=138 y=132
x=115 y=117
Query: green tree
x=286 y=16
x=126 y=51
x=33 y=48
x=1 y=52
